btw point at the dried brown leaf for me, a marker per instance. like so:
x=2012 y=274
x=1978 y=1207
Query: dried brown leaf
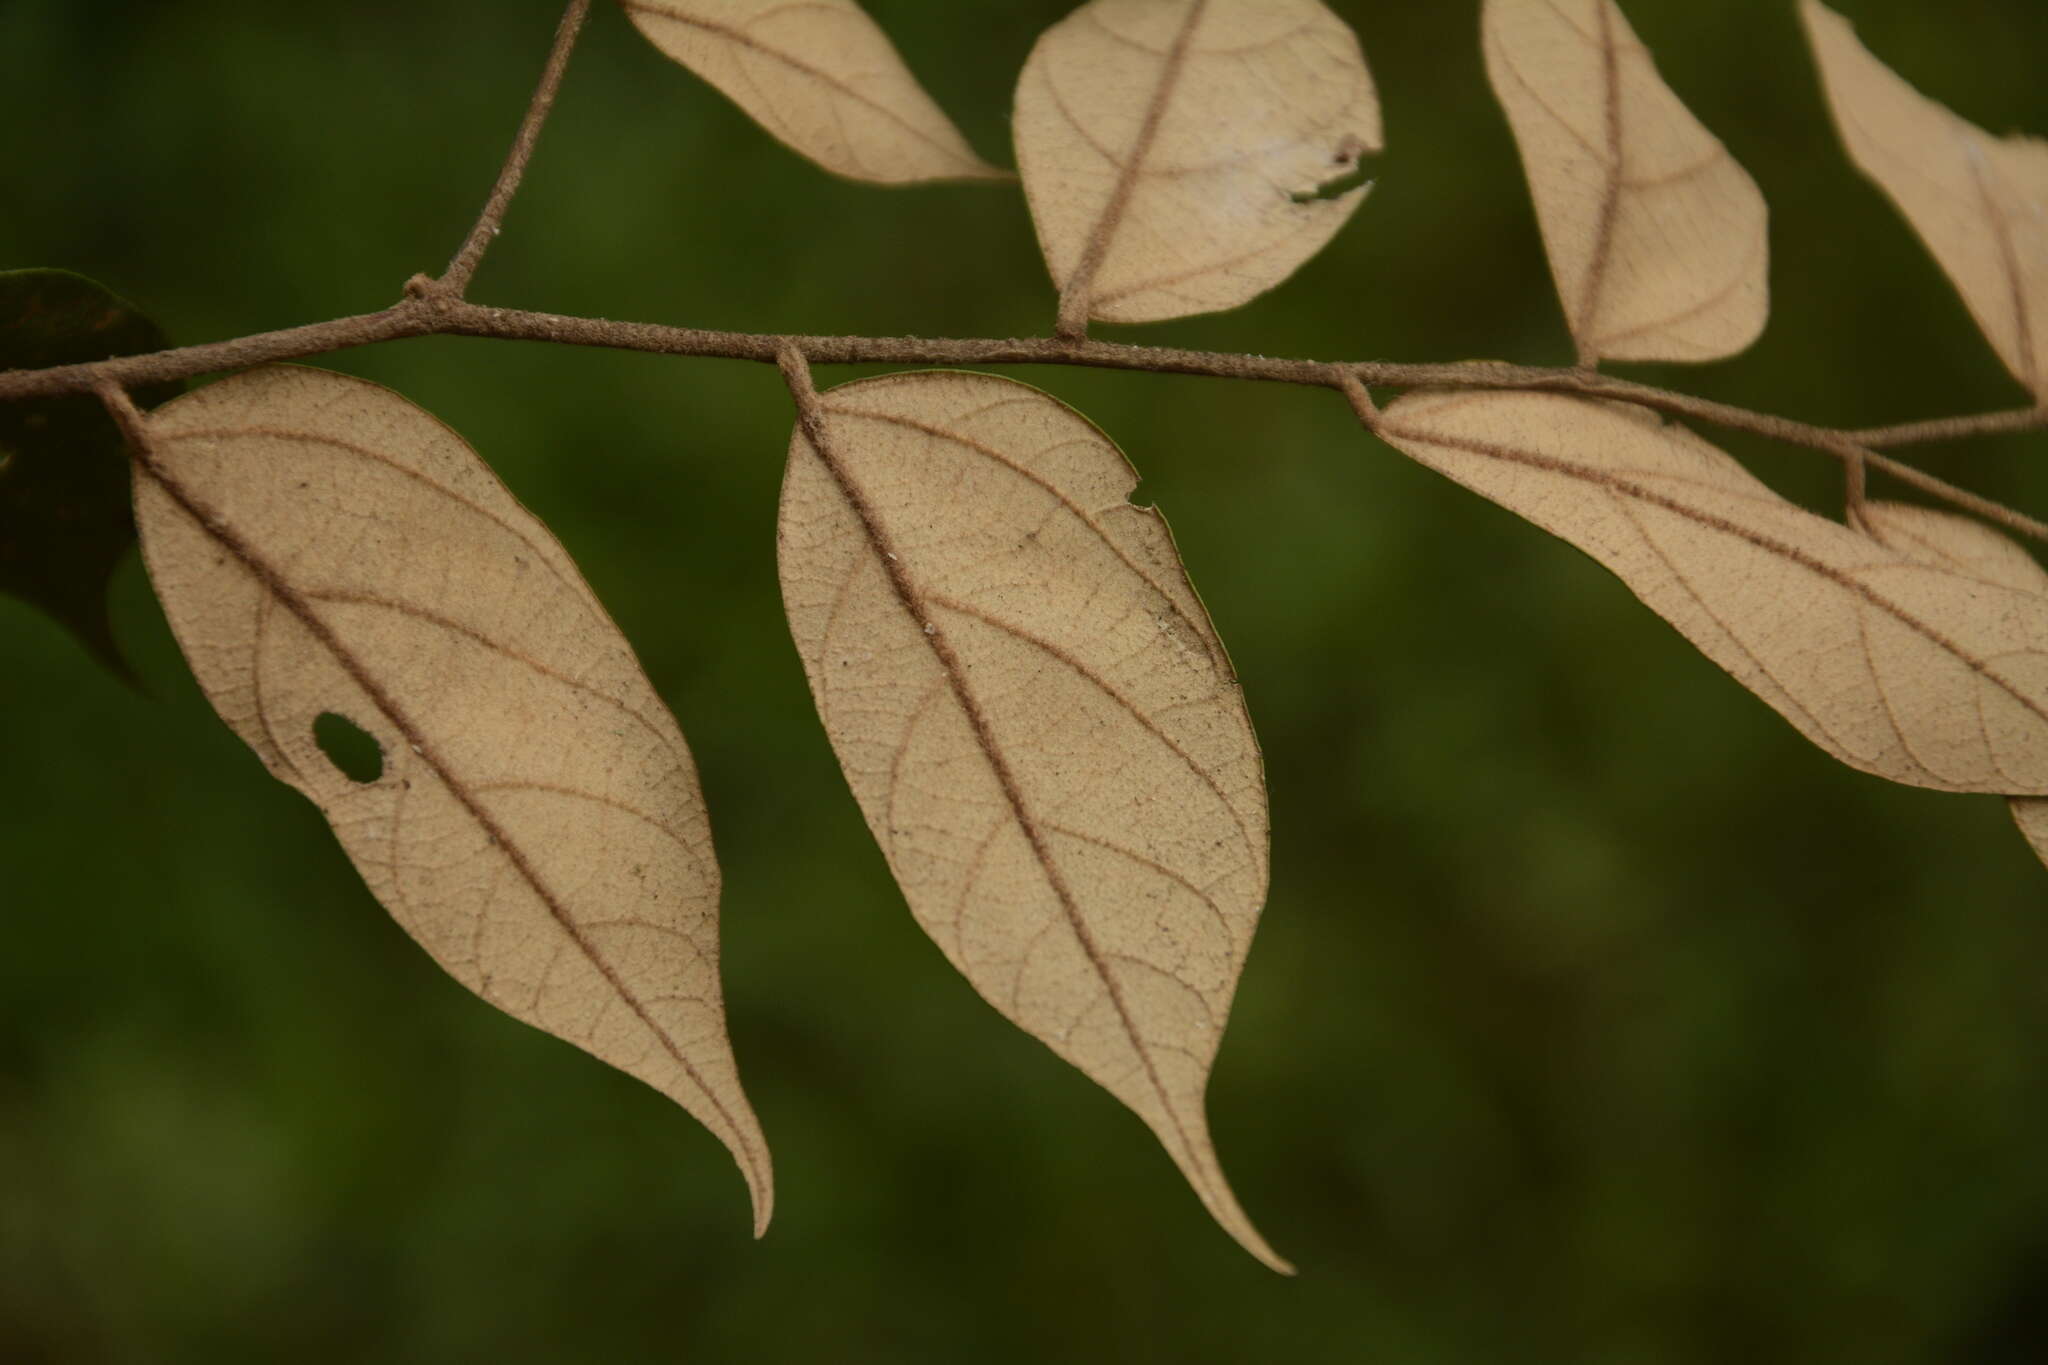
x=821 y=76
x=1915 y=672
x=1980 y=203
x=1039 y=723
x=1656 y=236
x=1970 y=547
x=1957 y=543
x=1175 y=152
x=323 y=546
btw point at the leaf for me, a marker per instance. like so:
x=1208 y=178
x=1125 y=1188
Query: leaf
x=1918 y=673
x=1970 y=547
x=1979 y=203
x=324 y=547
x=1176 y=152
x=823 y=78
x=1656 y=236
x=64 y=514
x=1039 y=723
x=1959 y=544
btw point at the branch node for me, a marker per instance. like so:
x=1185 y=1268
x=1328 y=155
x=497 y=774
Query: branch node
x=1856 y=488
x=796 y=371
x=126 y=415
x=1347 y=382
x=1072 y=323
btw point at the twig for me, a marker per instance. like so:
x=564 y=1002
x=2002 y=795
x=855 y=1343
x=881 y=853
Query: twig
x=1951 y=428
x=455 y=280
x=413 y=318
x=448 y=316
x=455 y=317
x=1960 y=497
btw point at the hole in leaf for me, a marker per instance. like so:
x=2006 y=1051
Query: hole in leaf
x=348 y=747
x=1349 y=165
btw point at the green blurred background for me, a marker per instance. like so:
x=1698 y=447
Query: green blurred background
x=1595 y=1017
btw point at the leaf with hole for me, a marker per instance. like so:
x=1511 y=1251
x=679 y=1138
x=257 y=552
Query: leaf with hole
x=331 y=558
x=1656 y=237
x=1980 y=203
x=1911 y=671
x=1039 y=723
x=1179 y=155
x=64 y=509
x=823 y=78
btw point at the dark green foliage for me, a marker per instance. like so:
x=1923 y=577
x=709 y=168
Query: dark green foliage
x=65 y=518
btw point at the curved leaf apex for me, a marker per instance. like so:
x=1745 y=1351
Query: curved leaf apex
x=1037 y=719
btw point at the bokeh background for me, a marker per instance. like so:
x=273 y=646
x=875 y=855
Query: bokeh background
x=1595 y=1017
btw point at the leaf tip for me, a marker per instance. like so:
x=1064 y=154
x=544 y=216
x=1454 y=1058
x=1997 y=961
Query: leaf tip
x=761 y=1189
x=1824 y=25
x=1188 y=1142
x=742 y=1136
x=1268 y=1257
x=1233 y=1220
x=1216 y=1196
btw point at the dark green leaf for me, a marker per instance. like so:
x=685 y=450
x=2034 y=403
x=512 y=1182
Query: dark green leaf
x=65 y=519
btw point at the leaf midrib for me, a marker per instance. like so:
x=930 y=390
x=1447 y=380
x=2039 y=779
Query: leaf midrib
x=423 y=747
x=882 y=546
x=1077 y=294
x=1700 y=516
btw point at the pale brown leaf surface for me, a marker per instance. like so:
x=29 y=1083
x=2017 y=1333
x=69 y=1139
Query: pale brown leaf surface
x=1958 y=543
x=1980 y=203
x=1915 y=672
x=1039 y=723
x=1172 y=150
x=1656 y=237
x=1970 y=547
x=322 y=545
x=821 y=76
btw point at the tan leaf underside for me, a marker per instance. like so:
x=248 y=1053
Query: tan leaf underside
x=1170 y=149
x=321 y=545
x=1656 y=237
x=1970 y=547
x=1915 y=672
x=820 y=76
x=1039 y=724
x=1980 y=203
